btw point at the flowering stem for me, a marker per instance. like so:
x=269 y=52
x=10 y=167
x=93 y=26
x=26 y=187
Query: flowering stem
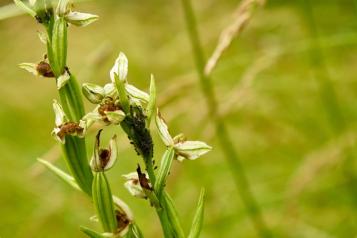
x=227 y=145
x=161 y=210
x=71 y=100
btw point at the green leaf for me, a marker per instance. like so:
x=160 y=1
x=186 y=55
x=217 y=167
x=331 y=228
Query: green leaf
x=173 y=215
x=59 y=46
x=76 y=160
x=59 y=173
x=150 y=108
x=103 y=202
x=164 y=170
x=90 y=233
x=199 y=215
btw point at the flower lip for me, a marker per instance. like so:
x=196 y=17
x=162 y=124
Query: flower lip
x=104 y=159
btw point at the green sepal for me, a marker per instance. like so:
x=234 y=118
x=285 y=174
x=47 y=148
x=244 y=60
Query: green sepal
x=150 y=108
x=197 y=222
x=123 y=97
x=103 y=202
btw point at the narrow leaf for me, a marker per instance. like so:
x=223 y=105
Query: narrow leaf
x=90 y=233
x=164 y=170
x=198 y=218
x=173 y=215
x=59 y=173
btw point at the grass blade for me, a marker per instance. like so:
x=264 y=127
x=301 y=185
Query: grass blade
x=59 y=173
x=199 y=215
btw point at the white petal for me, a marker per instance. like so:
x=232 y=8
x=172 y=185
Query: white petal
x=133 y=185
x=60 y=116
x=54 y=134
x=136 y=93
x=29 y=67
x=63 y=79
x=120 y=68
x=163 y=130
x=110 y=90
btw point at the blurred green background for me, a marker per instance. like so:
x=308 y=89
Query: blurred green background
x=276 y=86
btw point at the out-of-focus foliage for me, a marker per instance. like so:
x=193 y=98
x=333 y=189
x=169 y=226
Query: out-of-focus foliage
x=271 y=85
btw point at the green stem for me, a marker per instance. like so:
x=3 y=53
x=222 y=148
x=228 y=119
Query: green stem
x=72 y=103
x=166 y=225
x=225 y=141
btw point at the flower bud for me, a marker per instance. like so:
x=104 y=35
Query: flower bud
x=104 y=159
x=80 y=19
x=120 y=68
x=191 y=149
x=93 y=92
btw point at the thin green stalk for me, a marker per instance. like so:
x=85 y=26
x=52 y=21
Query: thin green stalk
x=171 y=228
x=328 y=95
x=226 y=143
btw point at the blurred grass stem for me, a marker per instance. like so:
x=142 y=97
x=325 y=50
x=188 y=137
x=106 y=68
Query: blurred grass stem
x=225 y=141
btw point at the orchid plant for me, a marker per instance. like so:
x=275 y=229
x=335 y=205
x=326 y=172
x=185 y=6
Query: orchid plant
x=117 y=103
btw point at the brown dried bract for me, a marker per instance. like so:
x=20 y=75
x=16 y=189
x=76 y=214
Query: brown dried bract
x=69 y=128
